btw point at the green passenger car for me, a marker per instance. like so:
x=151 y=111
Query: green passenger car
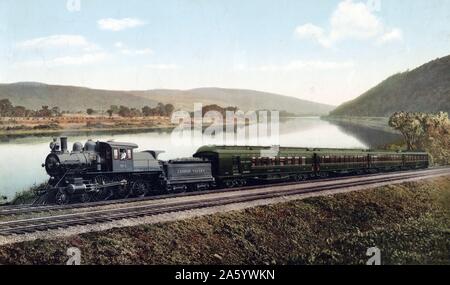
x=239 y=165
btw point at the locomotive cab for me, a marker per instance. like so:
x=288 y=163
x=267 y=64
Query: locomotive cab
x=118 y=157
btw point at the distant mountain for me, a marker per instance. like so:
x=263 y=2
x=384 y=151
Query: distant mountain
x=424 y=89
x=34 y=95
x=244 y=99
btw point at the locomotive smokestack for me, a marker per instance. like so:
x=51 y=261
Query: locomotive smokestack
x=63 y=144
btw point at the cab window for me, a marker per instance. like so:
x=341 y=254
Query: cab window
x=123 y=154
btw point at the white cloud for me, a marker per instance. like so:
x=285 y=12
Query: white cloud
x=75 y=60
x=58 y=41
x=144 y=51
x=391 y=36
x=350 y=20
x=79 y=60
x=354 y=20
x=308 y=65
x=162 y=66
x=123 y=49
x=119 y=45
x=59 y=50
x=119 y=24
x=312 y=32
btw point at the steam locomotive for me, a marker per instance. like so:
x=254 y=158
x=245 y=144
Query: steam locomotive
x=106 y=170
x=112 y=170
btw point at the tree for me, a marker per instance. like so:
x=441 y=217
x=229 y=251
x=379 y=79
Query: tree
x=147 y=111
x=428 y=132
x=135 y=112
x=44 y=112
x=408 y=125
x=161 y=109
x=110 y=112
x=124 y=111
x=169 y=109
x=5 y=107
x=90 y=111
x=56 y=112
x=20 y=111
x=114 y=109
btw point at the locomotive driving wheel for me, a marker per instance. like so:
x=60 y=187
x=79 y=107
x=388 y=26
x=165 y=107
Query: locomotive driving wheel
x=139 y=188
x=61 y=198
x=121 y=191
x=86 y=197
x=104 y=193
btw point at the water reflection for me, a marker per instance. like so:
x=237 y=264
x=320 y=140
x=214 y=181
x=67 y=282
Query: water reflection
x=373 y=138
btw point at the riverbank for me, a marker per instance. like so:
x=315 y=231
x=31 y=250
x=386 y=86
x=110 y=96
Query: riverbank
x=90 y=124
x=31 y=132
x=377 y=123
x=409 y=223
x=81 y=123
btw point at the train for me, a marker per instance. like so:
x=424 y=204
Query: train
x=104 y=170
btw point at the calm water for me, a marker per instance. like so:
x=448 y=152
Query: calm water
x=21 y=157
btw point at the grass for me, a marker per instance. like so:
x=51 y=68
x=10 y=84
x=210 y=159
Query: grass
x=26 y=196
x=409 y=223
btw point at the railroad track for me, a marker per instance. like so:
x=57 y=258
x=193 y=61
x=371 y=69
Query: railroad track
x=127 y=210
x=29 y=208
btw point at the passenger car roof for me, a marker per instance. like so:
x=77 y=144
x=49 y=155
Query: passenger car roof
x=249 y=149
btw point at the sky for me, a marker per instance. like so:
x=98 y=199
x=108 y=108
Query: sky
x=323 y=51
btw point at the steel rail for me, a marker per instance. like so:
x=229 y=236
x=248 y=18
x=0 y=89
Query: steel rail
x=27 y=209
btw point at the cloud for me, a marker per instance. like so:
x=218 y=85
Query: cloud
x=58 y=41
x=79 y=60
x=350 y=20
x=391 y=36
x=162 y=66
x=144 y=51
x=354 y=20
x=310 y=64
x=119 y=45
x=312 y=32
x=123 y=49
x=83 y=59
x=59 y=50
x=116 y=25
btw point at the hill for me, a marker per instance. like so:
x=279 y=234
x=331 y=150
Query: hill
x=34 y=95
x=244 y=99
x=424 y=89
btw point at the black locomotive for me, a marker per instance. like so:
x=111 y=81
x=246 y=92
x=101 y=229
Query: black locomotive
x=107 y=170
x=112 y=170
